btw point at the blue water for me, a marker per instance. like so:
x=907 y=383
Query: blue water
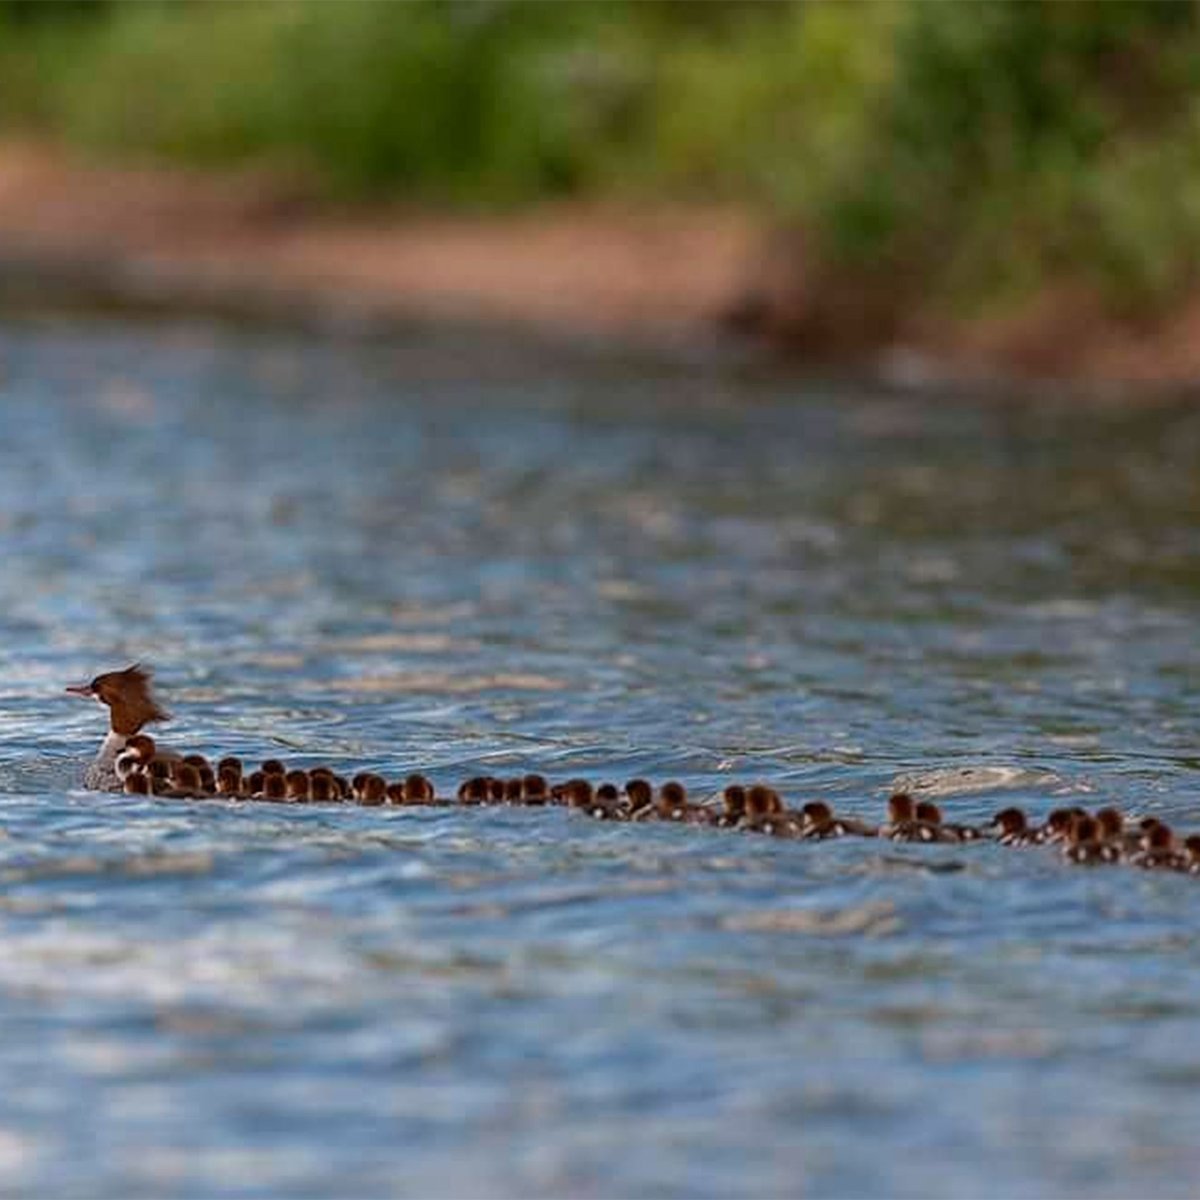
x=434 y=556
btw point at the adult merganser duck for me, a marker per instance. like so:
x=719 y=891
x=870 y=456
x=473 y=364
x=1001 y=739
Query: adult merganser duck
x=131 y=706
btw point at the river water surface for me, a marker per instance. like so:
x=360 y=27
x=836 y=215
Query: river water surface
x=422 y=557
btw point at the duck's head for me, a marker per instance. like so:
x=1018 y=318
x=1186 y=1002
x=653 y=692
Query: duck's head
x=817 y=812
x=1111 y=822
x=297 y=784
x=734 y=797
x=128 y=696
x=929 y=812
x=1010 y=821
x=758 y=801
x=901 y=807
x=418 y=789
x=639 y=794
x=672 y=795
x=321 y=787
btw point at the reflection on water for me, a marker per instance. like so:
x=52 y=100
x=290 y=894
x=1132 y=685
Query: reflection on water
x=405 y=559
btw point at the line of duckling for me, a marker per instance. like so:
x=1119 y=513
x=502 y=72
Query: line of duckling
x=1100 y=838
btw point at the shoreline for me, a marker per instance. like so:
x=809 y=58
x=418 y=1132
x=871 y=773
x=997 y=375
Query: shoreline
x=681 y=285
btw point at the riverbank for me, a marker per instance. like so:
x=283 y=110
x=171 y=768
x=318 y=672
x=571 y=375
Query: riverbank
x=685 y=280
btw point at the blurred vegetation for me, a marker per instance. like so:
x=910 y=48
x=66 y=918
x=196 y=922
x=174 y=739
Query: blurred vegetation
x=979 y=149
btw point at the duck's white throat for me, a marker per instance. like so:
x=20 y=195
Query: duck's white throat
x=101 y=775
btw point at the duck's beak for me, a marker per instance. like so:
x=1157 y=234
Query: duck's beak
x=80 y=689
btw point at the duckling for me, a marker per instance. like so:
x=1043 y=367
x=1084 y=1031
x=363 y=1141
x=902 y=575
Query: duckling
x=143 y=745
x=297 y=786
x=473 y=791
x=357 y=784
x=1058 y=824
x=1191 y=849
x=185 y=781
x=947 y=831
x=639 y=798
x=581 y=795
x=137 y=783
x=229 y=776
x=902 y=824
x=127 y=763
x=495 y=790
x=254 y=784
x=764 y=813
x=606 y=803
x=1012 y=828
x=374 y=791
x=331 y=791
x=561 y=793
x=1110 y=824
x=274 y=788
x=322 y=788
x=273 y=766
x=342 y=787
x=229 y=782
x=817 y=823
x=514 y=790
x=1084 y=844
x=418 y=790
x=534 y=789
x=733 y=800
x=395 y=792
x=672 y=804
x=1158 y=850
x=208 y=780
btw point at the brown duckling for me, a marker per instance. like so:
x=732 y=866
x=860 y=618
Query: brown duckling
x=580 y=794
x=764 y=813
x=297 y=786
x=373 y=792
x=1158 y=850
x=1058 y=824
x=733 y=800
x=395 y=792
x=273 y=766
x=639 y=798
x=322 y=788
x=946 y=831
x=254 y=784
x=137 y=783
x=902 y=824
x=514 y=790
x=606 y=803
x=274 y=788
x=185 y=781
x=561 y=793
x=1191 y=852
x=229 y=782
x=817 y=822
x=418 y=789
x=474 y=790
x=535 y=789
x=1084 y=845
x=1012 y=828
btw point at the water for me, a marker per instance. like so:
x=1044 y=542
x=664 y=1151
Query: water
x=426 y=557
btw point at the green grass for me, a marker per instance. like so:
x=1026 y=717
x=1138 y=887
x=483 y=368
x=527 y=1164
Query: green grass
x=979 y=149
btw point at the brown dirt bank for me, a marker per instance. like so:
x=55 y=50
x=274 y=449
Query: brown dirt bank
x=254 y=246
